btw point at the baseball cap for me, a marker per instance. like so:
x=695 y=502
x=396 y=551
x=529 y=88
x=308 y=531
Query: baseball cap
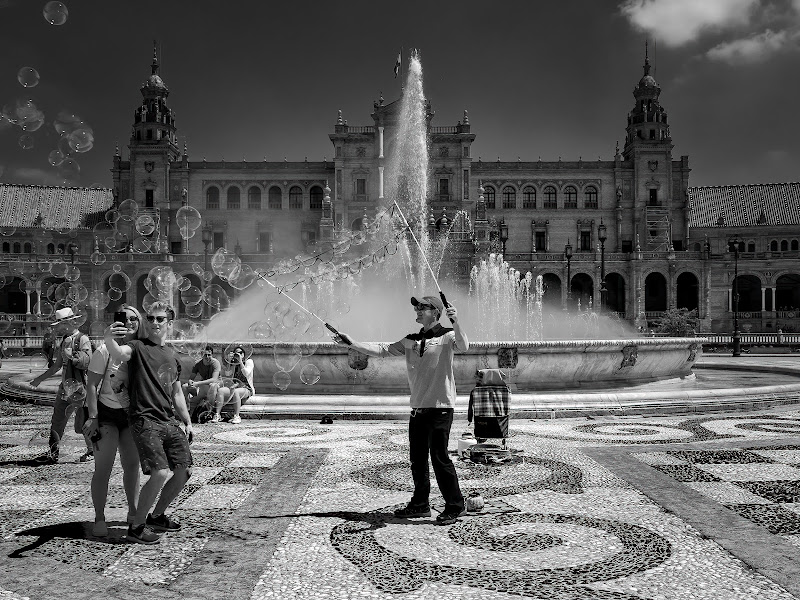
x=434 y=301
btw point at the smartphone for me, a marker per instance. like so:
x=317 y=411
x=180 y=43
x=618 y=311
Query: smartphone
x=121 y=317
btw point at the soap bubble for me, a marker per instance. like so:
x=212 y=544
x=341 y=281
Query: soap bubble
x=229 y=349
x=194 y=310
x=145 y=224
x=285 y=358
x=128 y=209
x=198 y=270
x=260 y=330
x=28 y=77
x=72 y=273
x=37 y=362
x=193 y=295
x=81 y=140
x=43 y=308
x=55 y=13
x=7 y=230
x=114 y=294
x=69 y=169
x=26 y=141
x=282 y=380
x=216 y=297
x=309 y=374
x=97 y=300
x=119 y=280
x=189 y=217
x=74 y=391
x=168 y=374
x=142 y=245
x=184 y=329
x=183 y=283
x=97 y=258
x=25 y=114
x=243 y=279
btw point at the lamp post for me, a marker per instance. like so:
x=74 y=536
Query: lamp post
x=503 y=234
x=568 y=256
x=601 y=235
x=208 y=237
x=737 y=342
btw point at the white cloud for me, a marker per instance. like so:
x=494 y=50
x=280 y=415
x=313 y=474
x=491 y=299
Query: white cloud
x=754 y=48
x=677 y=22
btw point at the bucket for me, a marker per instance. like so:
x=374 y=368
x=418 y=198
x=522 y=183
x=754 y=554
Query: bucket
x=464 y=444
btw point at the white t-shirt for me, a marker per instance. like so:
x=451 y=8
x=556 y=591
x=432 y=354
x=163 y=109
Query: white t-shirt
x=113 y=389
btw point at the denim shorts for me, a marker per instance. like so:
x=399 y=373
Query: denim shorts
x=161 y=445
x=114 y=417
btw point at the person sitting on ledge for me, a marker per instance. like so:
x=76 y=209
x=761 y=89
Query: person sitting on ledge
x=205 y=373
x=236 y=385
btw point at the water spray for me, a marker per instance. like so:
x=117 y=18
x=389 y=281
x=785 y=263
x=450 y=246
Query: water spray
x=425 y=258
x=330 y=327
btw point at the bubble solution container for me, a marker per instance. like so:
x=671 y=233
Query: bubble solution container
x=465 y=443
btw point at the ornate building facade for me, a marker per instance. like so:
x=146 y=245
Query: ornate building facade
x=626 y=236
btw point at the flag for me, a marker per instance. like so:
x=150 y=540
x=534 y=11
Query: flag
x=397 y=66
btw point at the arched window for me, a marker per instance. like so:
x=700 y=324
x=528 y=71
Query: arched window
x=316 y=198
x=212 y=198
x=784 y=246
x=488 y=194
x=550 y=197
x=590 y=198
x=751 y=246
x=773 y=246
x=275 y=198
x=570 y=197
x=60 y=249
x=254 y=198
x=27 y=248
x=51 y=248
x=509 y=197
x=794 y=245
x=234 y=196
x=295 y=198
x=17 y=248
x=6 y=247
x=529 y=198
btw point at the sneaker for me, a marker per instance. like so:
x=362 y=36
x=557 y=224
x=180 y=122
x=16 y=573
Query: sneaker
x=412 y=511
x=100 y=529
x=216 y=418
x=86 y=456
x=142 y=535
x=449 y=516
x=236 y=419
x=163 y=523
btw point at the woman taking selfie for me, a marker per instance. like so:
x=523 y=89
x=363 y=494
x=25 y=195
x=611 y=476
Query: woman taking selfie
x=107 y=426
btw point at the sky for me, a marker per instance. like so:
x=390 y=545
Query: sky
x=540 y=79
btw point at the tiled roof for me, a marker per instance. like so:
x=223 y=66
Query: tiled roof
x=745 y=205
x=60 y=207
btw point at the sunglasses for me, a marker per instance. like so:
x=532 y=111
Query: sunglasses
x=132 y=319
x=421 y=307
x=157 y=319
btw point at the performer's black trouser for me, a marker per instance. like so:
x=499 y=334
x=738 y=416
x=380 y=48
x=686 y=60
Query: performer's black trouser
x=429 y=433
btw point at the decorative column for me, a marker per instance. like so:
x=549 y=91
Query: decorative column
x=380 y=180
x=380 y=142
x=326 y=222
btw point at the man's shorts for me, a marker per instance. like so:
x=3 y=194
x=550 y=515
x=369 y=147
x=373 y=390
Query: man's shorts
x=161 y=445
x=115 y=417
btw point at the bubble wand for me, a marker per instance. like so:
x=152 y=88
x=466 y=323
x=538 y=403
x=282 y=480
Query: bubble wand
x=425 y=258
x=330 y=327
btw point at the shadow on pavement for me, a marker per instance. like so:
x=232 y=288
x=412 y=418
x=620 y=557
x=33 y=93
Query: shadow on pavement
x=75 y=530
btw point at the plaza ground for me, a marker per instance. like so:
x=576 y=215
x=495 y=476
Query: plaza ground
x=662 y=506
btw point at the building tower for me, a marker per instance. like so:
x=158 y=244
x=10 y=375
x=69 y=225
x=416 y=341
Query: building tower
x=153 y=149
x=648 y=146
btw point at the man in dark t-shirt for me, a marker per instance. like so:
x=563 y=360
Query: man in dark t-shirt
x=157 y=403
x=205 y=374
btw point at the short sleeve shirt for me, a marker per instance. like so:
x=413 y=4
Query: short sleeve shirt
x=113 y=390
x=151 y=370
x=205 y=371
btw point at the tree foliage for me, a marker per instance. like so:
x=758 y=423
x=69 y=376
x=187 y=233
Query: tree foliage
x=678 y=322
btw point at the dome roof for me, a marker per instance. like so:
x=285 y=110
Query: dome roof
x=648 y=81
x=154 y=81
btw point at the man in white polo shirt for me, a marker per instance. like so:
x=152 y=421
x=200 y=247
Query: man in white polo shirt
x=429 y=363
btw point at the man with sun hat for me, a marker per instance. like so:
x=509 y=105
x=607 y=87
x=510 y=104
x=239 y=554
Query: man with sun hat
x=429 y=364
x=73 y=353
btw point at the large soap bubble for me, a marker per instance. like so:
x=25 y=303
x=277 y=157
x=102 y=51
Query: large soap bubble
x=191 y=296
x=216 y=297
x=282 y=380
x=309 y=374
x=26 y=141
x=28 y=77
x=168 y=374
x=128 y=209
x=145 y=224
x=189 y=217
x=55 y=13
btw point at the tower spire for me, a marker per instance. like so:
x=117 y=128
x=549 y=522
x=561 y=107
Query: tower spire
x=154 y=65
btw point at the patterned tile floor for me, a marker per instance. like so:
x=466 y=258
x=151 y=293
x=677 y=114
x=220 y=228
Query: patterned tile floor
x=295 y=509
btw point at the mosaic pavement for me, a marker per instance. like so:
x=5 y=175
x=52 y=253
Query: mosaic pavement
x=295 y=509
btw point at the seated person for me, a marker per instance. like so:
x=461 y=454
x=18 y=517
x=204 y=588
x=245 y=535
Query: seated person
x=236 y=385
x=205 y=374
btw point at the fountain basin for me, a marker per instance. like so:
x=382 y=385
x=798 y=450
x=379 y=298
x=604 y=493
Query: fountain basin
x=530 y=366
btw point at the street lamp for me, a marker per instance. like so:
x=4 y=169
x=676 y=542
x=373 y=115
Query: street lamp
x=503 y=234
x=208 y=237
x=601 y=235
x=568 y=256
x=737 y=342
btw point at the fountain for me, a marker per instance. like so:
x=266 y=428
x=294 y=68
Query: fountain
x=361 y=282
